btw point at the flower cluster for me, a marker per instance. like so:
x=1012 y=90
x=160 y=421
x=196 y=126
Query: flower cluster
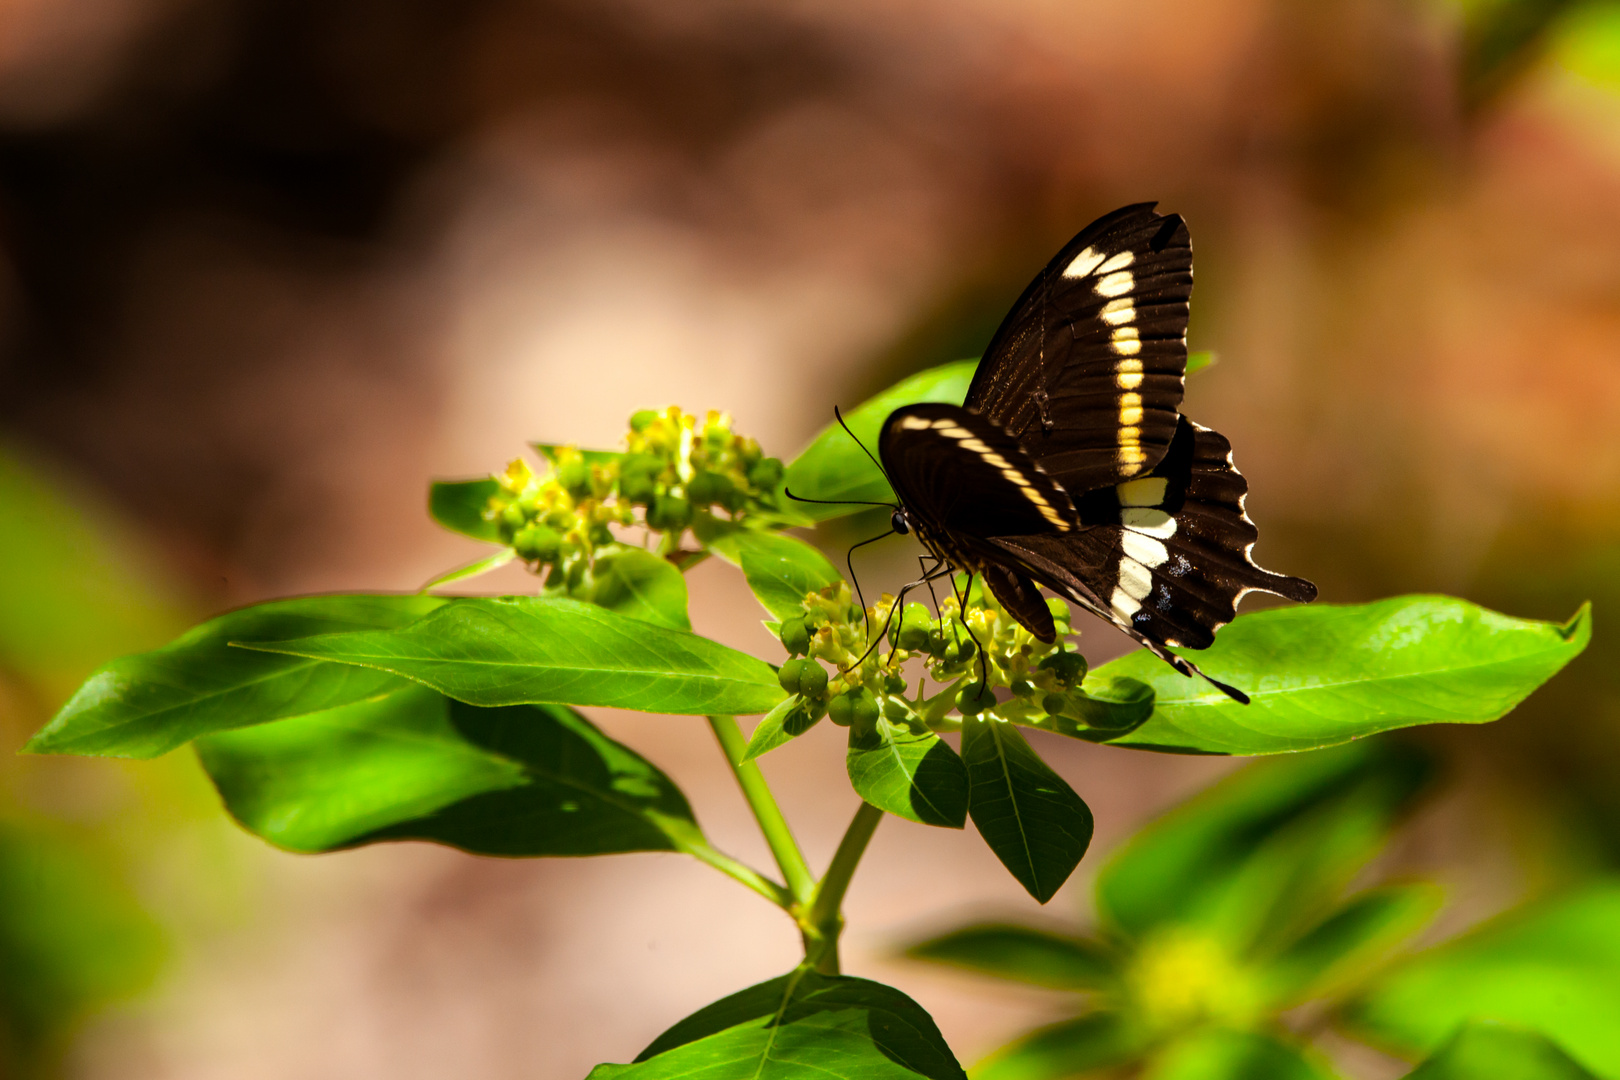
x=869 y=681
x=680 y=472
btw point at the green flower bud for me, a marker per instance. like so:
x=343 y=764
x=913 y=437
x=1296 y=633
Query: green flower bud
x=804 y=677
x=669 y=513
x=894 y=683
x=1055 y=704
x=1022 y=688
x=765 y=473
x=536 y=543
x=1067 y=667
x=789 y=673
x=640 y=420
x=858 y=706
x=916 y=623
x=575 y=478
x=708 y=488
x=795 y=637
x=513 y=517
x=960 y=651
x=974 y=698
x=638 y=478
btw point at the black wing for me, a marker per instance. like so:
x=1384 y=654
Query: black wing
x=1166 y=556
x=956 y=473
x=1086 y=370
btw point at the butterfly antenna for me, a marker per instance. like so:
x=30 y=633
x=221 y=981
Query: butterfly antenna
x=849 y=561
x=864 y=450
x=837 y=502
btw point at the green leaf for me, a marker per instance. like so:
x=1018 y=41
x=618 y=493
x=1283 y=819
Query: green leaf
x=472 y=569
x=834 y=467
x=459 y=506
x=635 y=582
x=1486 y=1051
x=147 y=704
x=790 y=719
x=1103 y=711
x=1198 y=361
x=1554 y=968
x=780 y=569
x=913 y=775
x=1266 y=846
x=1326 y=674
x=549 y=451
x=1334 y=954
x=1034 y=822
x=72 y=937
x=1022 y=954
x=414 y=765
x=803 y=1026
x=1220 y=1054
x=518 y=650
x=1096 y=1041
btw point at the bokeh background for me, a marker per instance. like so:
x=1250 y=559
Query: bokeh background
x=267 y=266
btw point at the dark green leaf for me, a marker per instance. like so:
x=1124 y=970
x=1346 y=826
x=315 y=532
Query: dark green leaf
x=1554 y=968
x=1022 y=954
x=915 y=776
x=459 y=506
x=834 y=467
x=1333 y=954
x=1034 y=822
x=1266 y=846
x=147 y=704
x=413 y=765
x=517 y=650
x=803 y=1026
x=1325 y=674
x=637 y=583
x=1095 y=1041
x=591 y=457
x=1219 y=1054
x=790 y=719
x=72 y=937
x=780 y=569
x=1487 y=1051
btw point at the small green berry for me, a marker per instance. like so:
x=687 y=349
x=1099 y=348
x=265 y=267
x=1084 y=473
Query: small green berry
x=974 y=698
x=1067 y=667
x=639 y=421
x=513 y=516
x=858 y=706
x=789 y=673
x=669 y=513
x=575 y=477
x=536 y=543
x=795 y=637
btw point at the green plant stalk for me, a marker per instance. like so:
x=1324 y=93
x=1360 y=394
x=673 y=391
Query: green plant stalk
x=823 y=923
x=739 y=871
x=795 y=871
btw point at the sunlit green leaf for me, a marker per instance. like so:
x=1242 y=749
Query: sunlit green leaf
x=472 y=569
x=780 y=569
x=803 y=1026
x=1324 y=674
x=1265 y=848
x=459 y=506
x=635 y=582
x=1332 y=955
x=1072 y=1048
x=147 y=704
x=913 y=775
x=790 y=719
x=1034 y=822
x=1486 y=1051
x=518 y=780
x=834 y=467
x=1022 y=954
x=1554 y=968
x=518 y=650
x=1219 y=1054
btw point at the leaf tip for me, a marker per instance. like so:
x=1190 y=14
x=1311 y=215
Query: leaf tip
x=1578 y=628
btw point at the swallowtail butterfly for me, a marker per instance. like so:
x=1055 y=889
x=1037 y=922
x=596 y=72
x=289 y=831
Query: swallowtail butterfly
x=1070 y=465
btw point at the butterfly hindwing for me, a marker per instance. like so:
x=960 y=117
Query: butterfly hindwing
x=1165 y=556
x=1087 y=369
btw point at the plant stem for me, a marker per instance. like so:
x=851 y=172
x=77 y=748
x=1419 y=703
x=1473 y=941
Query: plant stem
x=795 y=871
x=824 y=921
x=770 y=890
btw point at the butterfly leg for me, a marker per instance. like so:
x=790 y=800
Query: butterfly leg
x=962 y=603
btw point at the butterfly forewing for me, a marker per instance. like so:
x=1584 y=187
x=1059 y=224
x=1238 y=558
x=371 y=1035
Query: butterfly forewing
x=1086 y=371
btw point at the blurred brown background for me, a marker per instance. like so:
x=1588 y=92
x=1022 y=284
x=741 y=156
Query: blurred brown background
x=266 y=266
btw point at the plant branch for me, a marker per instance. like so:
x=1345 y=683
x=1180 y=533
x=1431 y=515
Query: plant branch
x=795 y=871
x=825 y=920
x=770 y=890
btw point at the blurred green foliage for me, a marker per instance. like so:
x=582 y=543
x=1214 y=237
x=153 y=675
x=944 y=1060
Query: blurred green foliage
x=1231 y=930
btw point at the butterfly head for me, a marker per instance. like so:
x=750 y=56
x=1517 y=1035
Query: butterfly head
x=900 y=521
